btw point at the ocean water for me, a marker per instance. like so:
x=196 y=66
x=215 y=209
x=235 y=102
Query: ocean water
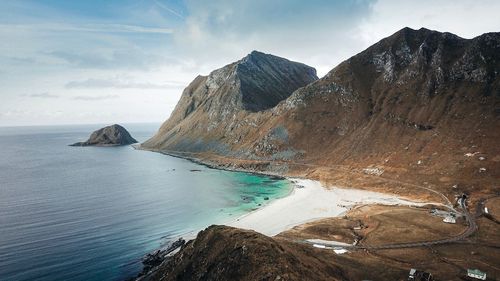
x=91 y=213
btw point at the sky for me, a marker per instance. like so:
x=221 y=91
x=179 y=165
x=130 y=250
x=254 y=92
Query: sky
x=127 y=61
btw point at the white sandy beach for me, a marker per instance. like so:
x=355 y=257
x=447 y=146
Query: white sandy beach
x=309 y=203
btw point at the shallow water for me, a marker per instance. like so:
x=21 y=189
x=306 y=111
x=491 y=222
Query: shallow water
x=91 y=213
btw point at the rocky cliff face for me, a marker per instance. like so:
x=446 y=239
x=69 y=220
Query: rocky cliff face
x=113 y=135
x=212 y=106
x=411 y=107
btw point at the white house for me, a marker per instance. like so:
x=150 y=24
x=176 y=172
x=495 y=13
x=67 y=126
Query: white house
x=319 y=246
x=340 y=251
x=476 y=273
x=450 y=219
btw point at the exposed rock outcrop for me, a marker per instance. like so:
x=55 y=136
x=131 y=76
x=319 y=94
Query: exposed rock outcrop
x=154 y=259
x=213 y=106
x=113 y=135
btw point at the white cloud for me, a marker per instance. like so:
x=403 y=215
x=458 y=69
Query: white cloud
x=96 y=98
x=318 y=33
x=465 y=18
x=44 y=95
x=168 y=9
x=121 y=84
x=120 y=58
x=98 y=28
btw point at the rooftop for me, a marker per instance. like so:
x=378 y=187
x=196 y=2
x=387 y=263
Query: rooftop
x=476 y=272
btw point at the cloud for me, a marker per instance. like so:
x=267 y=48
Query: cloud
x=96 y=98
x=133 y=58
x=20 y=60
x=465 y=18
x=168 y=9
x=320 y=33
x=317 y=32
x=44 y=95
x=119 y=84
x=97 y=28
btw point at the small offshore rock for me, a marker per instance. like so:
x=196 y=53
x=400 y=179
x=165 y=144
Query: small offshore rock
x=113 y=135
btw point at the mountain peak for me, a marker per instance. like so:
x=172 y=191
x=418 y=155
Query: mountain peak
x=255 y=83
x=256 y=56
x=419 y=35
x=265 y=79
x=258 y=53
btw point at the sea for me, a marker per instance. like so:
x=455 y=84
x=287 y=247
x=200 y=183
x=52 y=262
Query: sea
x=93 y=213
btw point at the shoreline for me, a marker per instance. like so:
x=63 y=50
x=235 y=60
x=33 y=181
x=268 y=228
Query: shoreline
x=307 y=201
x=209 y=165
x=311 y=202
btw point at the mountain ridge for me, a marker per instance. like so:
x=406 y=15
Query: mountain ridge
x=412 y=104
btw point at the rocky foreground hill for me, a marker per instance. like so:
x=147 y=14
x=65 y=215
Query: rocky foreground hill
x=420 y=107
x=226 y=253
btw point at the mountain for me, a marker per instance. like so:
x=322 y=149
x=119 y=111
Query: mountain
x=113 y=135
x=212 y=106
x=420 y=106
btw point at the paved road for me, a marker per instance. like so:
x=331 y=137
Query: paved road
x=472 y=227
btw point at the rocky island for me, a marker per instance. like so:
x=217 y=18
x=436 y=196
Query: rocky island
x=113 y=135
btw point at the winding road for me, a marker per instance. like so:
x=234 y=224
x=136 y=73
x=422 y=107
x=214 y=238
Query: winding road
x=471 y=228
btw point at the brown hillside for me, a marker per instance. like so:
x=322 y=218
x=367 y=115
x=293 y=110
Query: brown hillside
x=421 y=106
x=225 y=253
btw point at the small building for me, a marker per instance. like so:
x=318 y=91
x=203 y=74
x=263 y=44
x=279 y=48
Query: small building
x=419 y=275
x=450 y=219
x=476 y=273
x=340 y=251
x=319 y=246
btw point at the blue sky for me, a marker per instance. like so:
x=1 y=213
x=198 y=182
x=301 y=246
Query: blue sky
x=70 y=62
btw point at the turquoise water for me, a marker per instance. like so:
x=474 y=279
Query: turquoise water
x=91 y=213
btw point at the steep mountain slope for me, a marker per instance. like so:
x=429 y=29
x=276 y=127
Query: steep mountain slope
x=211 y=106
x=414 y=105
x=420 y=106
